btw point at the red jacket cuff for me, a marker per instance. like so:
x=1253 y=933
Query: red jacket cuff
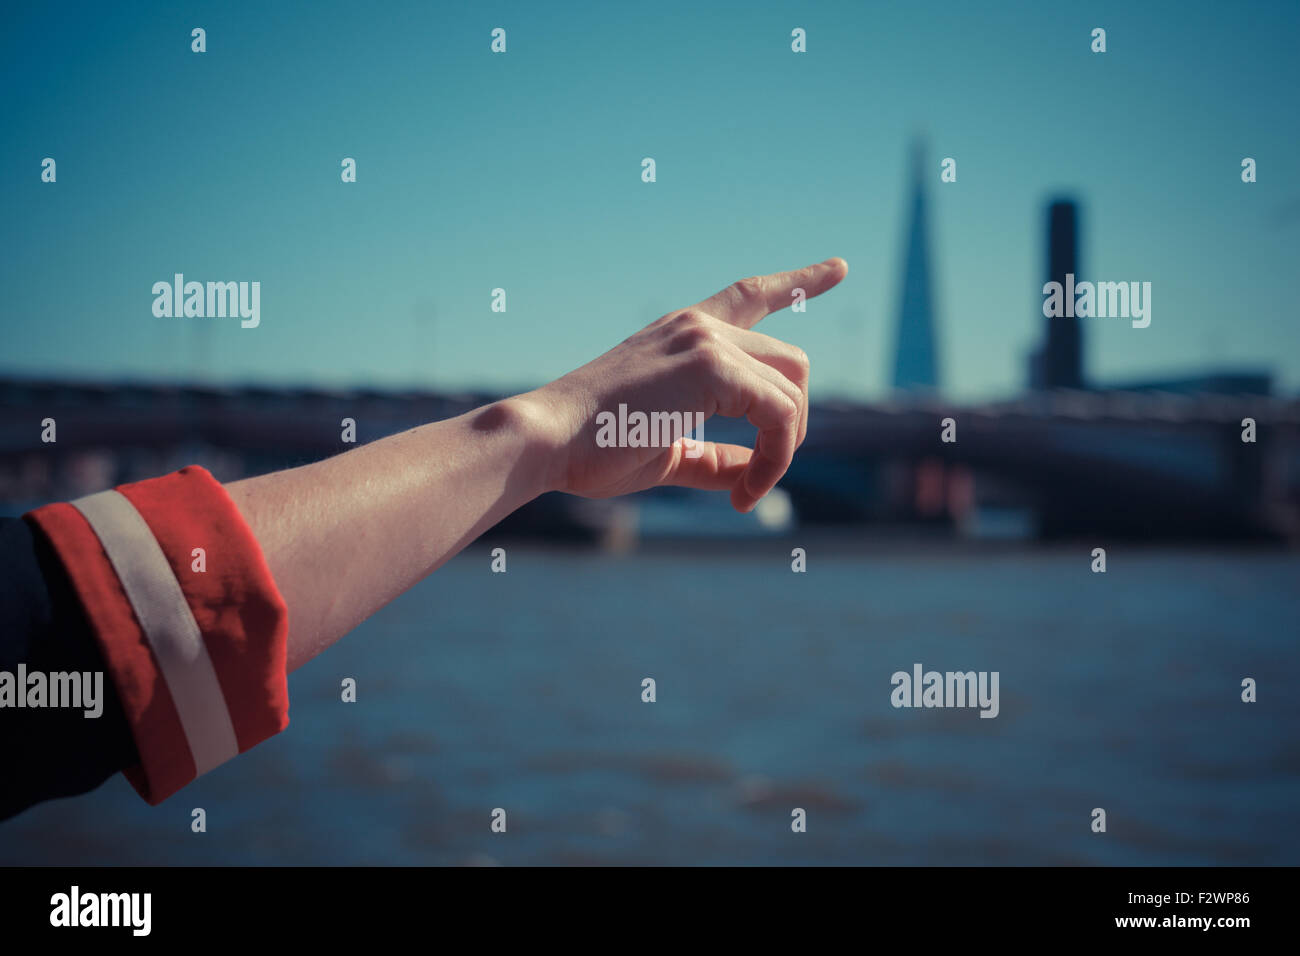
x=194 y=640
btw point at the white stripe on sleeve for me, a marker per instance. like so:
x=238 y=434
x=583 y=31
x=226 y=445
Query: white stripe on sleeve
x=168 y=623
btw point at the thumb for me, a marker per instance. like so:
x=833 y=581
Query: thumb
x=706 y=465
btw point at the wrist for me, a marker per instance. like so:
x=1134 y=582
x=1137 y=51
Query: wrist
x=534 y=431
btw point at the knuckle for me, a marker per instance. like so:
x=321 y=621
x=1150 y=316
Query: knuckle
x=802 y=361
x=695 y=332
x=789 y=410
x=701 y=337
x=749 y=289
x=689 y=317
x=688 y=330
x=706 y=358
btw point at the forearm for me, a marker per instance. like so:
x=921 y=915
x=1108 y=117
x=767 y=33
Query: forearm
x=346 y=535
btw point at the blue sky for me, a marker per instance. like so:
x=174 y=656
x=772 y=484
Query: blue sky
x=522 y=171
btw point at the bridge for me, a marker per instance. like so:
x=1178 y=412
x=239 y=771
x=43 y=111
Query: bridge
x=1145 y=464
x=1129 y=463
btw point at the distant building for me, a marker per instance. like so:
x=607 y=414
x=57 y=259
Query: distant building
x=916 y=364
x=1059 y=362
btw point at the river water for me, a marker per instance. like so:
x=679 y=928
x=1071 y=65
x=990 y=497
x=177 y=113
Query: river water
x=523 y=691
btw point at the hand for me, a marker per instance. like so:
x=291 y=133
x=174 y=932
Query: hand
x=702 y=359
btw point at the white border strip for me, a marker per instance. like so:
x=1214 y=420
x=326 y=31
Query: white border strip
x=168 y=624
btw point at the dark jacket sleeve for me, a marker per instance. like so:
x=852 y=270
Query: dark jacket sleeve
x=48 y=752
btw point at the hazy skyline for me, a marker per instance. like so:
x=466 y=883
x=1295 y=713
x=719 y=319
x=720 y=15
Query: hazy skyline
x=522 y=171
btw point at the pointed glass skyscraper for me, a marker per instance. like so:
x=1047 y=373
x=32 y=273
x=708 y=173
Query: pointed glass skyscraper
x=916 y=362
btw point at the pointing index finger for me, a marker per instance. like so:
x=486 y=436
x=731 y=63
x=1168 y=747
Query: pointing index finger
x=745 y=302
